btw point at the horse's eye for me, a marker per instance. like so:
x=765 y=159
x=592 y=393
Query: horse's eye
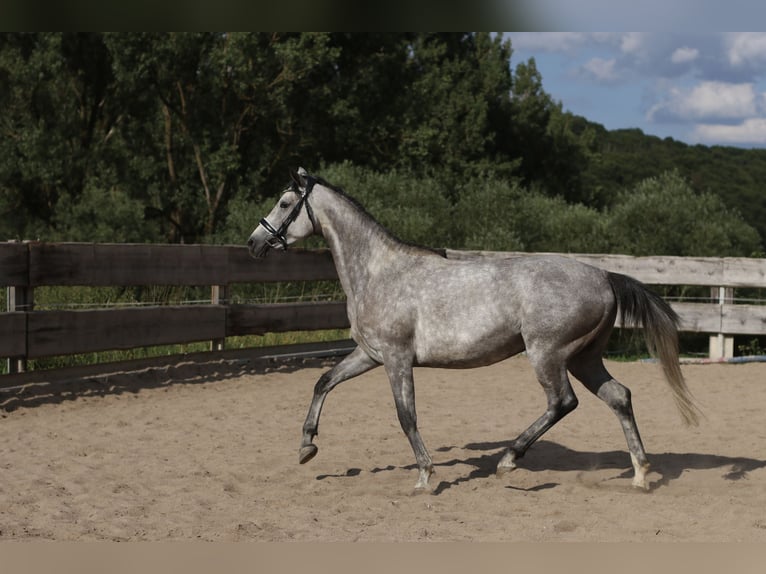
x=284 y=204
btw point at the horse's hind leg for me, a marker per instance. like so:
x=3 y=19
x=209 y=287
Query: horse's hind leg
x=552 y=375
x=356 y=363
x=593 y=374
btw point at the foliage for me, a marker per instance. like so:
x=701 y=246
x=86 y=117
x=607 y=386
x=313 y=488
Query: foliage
x=664 y=216
x=554 y=146
x=188 y=137
x=507 y=217
x=414 y=209
x=753 y=346
x=624 y=158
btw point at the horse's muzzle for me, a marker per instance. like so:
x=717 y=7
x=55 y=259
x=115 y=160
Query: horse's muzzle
x=256 y=251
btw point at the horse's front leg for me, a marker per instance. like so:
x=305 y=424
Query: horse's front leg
x=402 y=384
x=354 y=364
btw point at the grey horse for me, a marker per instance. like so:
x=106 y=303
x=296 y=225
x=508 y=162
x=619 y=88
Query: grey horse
x=410 y=306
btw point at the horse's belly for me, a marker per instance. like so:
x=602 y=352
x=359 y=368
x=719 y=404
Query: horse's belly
x=461 y=350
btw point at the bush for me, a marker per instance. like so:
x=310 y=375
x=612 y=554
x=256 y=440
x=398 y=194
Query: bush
x=664 y=216
x=102 y=215
x=413 y=208
x=499 y=216
x=659 y=216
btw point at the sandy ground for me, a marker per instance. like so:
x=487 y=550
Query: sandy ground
x=216 y=458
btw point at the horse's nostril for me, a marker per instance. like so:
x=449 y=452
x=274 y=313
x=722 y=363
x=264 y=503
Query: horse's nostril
x=250 y=242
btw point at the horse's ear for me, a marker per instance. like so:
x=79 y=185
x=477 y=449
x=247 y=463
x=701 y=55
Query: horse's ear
x=296 y=178
x=299 y=177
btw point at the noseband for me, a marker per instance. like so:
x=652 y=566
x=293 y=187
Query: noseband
x=277 y=236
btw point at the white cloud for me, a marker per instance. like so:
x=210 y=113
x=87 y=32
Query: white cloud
x=568 y=41
x=601 y=69
x=547 y=41
x=708 y=100
x=684 y=55
x=750 y=131
x=746 y=48
x=708 y=86
x=632 y=42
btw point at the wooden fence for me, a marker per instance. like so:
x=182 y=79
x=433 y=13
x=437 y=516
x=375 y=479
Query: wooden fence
x=27 y=333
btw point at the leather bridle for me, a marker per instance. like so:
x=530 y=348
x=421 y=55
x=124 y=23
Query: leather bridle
x=277 y=236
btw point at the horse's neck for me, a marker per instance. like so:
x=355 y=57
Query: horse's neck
x=357 y=242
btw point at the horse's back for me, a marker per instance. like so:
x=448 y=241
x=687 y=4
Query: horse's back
x=479 y=311
x=528 y=283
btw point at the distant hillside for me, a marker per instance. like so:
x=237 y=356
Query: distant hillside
x=622 y=158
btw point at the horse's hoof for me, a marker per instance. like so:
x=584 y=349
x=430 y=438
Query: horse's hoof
x=503 y=470
x=506 y=464
x=418 y=490
x=307 y=453
x=641 y=485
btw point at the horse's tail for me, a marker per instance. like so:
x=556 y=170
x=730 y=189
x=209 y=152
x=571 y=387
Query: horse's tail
x=641 y=307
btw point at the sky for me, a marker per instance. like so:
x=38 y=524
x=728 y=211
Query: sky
x=697 y=87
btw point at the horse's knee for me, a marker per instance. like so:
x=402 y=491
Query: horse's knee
x=322 y=386
x=569 y=403
x=562 y=406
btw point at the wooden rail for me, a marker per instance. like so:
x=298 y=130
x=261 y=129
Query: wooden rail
x=26 y=333
x=29 y=333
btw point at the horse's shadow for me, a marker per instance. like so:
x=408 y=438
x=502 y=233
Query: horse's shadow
x=547 y=455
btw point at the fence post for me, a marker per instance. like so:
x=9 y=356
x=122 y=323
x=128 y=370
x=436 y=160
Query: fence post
x=218 y=296
x=18 y=299
x=721 y=346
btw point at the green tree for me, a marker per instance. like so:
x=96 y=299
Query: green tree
x=498 y=216
x=181 y=137
x=664 y=216
x=224 y=116
x=413 y=208
x=624 y=158
x=455 y=104
x=57 y=121
x=359 y=117
x=223 y=111
x=554 y=147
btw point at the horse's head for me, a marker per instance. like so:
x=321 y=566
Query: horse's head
x=291 y=219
